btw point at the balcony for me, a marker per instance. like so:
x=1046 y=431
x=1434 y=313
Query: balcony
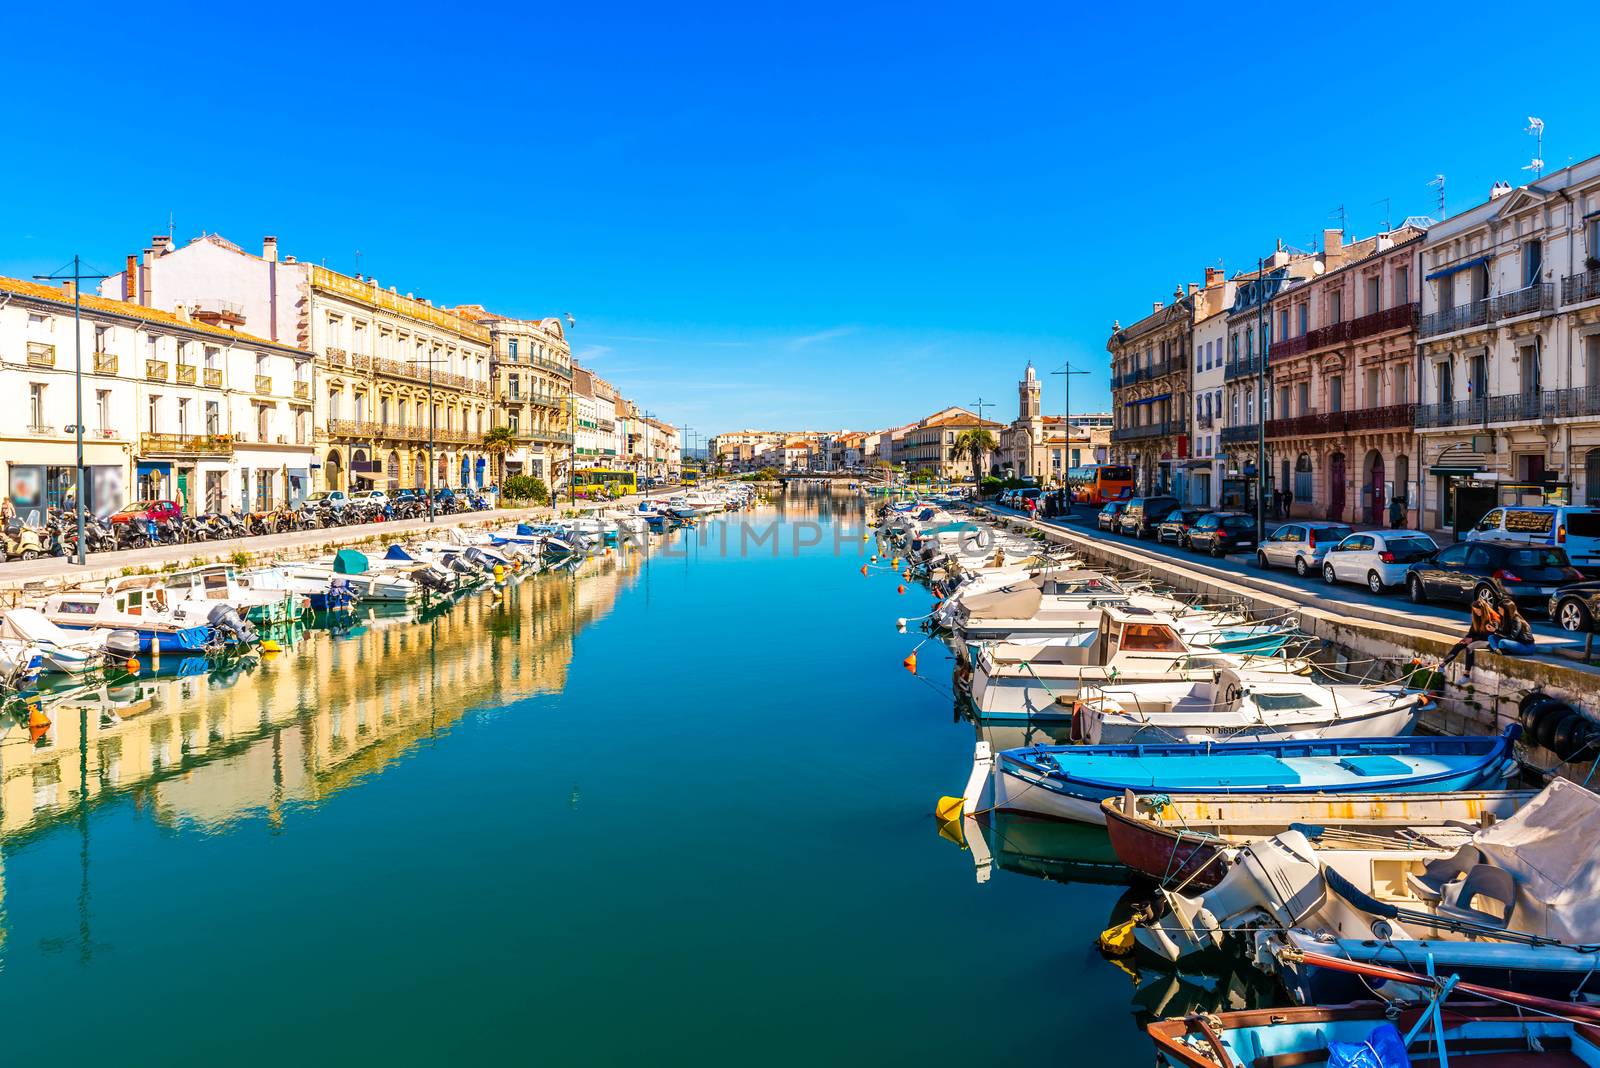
x=1399 y=317
x=1475 y=313
x=212 y=377
x=1148 y=430
x=105 y=363
x=1352 y=421
x=1578 y=401
x=264 y=385
x=1539 y=297
x=40 y=431
x=186 y=374
x=302 y=391
x=41 y=355
x=548 y=437
x=1240 y=435
x=334 y=357
x=1205 y=422
x=1523 y=407
x=185 y=445
x=155 y=370
x=551 y=366
x=1577 y=288
x=351 y=428
x=1450 y=413
x=1243 y=367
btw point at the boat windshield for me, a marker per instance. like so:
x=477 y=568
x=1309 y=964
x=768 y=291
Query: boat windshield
x=1150 y=638
x=1284 y=702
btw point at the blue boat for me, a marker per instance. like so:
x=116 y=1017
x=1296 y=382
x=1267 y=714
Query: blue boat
x=1070 y=781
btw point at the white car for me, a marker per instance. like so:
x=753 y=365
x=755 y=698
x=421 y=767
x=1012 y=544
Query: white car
x=335 y=498
x=374 y=496
x=1377 y=558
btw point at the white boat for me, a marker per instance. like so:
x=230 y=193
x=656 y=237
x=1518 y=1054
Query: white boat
x=68 y=652
x=194 y=592
x=142 y=610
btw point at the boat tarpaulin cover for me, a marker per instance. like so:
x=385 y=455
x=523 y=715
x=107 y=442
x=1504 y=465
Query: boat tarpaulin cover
x=397 y=553
x=1543 y=845
x=1011 y=603
x=349 y=562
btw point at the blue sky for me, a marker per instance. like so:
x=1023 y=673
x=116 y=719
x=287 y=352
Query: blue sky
x=824 y=215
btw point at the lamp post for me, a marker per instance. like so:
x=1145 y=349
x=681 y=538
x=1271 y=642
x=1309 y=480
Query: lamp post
x=78 y=278
x=1066 y=373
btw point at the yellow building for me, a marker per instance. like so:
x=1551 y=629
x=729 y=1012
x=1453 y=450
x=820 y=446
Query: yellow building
x=532 y=369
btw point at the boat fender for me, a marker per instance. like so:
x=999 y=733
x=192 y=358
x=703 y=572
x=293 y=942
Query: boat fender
x=948 y=808
x=1545 y=720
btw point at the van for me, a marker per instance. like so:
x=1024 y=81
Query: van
x=1144 y=513
x=1575 y=528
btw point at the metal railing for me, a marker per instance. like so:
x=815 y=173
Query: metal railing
x=1399 y=317
x=1475 y=313
x=186 y=374
x=213 y=376
x=155 y=370
x=1238 y=435
x=1576 y=288
x=1243 y=367
x=264 y=385
x=1205 y=422
x=302 y=390
x=43 y=356
x=1148 y=430
x=1356 y=419
x=39 y=430
x=186 y=444
x=105 y=363
x=1469 y=412
x=1541 y=296
x=549 y=437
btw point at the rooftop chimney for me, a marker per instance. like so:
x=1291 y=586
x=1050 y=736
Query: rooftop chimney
x=269 y=249
x=162 y=244
x=1214 y=276
x=1498 y=190
x=69 y=289
x=1194 y=287
x=1155 y=306
x=1332 y=242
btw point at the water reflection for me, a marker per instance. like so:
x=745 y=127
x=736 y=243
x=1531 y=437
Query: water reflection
x=204 y=745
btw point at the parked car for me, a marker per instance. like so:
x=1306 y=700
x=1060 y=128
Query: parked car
x=336 y=499
x=1575 y=528
x=1175 y=528
x=1021 y=497
x=153 y=511
x=1143 y=513
x=1107 y=517
x=1300 y=545
x=1377 y=558
x=1468 y=571
x=1221 y=533
x=1576 y=607
x=373 y=496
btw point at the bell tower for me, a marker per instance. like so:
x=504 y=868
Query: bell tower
x=1028 y=396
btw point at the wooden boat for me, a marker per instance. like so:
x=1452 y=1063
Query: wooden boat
x=1472 y=1034
x=1069 y=782
x=1180 y=840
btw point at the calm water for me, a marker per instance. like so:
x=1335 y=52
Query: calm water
x=673 y=809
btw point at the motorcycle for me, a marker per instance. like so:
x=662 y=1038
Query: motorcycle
x=24 y=544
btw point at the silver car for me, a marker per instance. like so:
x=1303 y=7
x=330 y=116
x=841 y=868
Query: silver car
x=1377 y=558
x=1300 y=546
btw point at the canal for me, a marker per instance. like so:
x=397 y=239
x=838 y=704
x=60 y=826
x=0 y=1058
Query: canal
x=673 y=808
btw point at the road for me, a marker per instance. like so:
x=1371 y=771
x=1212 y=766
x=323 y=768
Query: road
x=1082 y=520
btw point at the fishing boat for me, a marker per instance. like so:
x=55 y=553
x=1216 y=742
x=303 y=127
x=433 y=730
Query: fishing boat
x=66 y=652
x=1069 y=782
x=317 y=586
x=1185 y=839
x=140 y=611
x=1485 y=1033
x=194 y=591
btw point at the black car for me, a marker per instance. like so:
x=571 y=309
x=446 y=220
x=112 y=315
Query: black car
x=1143 y=513
x=1220 y=533
x=1107 y=517
x=1576 y=607
x=1469 y=570
x=1175 y=528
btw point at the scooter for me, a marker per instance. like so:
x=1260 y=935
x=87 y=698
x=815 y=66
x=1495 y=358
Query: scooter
x=24 y=544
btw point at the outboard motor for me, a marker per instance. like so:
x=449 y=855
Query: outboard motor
x=462 y=566
x=430 y=579
x=122 y=644
x=225 y=620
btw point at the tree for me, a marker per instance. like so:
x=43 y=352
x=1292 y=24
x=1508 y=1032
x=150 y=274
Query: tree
x=497 y=441
x=975 y=443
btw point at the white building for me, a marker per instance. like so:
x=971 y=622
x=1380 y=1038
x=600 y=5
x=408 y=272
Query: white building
x=1206 y=465
x=1509 y=350
x=172 y=406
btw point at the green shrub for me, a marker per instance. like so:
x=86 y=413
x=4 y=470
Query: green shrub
x=525 y=488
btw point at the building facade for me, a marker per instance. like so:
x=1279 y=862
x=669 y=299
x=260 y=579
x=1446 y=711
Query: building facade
x=929 y=445
x=1150 y=394
x=1342 y=350
x=1205 y=466
x=1508 y=362
x=532 y=370
x=174 y=407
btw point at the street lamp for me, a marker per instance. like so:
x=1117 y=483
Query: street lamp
x=1066 y=373
x=78 y=278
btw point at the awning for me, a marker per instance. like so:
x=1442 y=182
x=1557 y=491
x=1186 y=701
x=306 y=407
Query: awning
x=1438 y=469
x=1442 y=272
x=1151 y=400
x=1203 y=464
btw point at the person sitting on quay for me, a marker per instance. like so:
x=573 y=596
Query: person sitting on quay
x=1513 y=637
x=1484 y=623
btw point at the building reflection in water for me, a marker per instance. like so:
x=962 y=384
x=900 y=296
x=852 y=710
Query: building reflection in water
x=202 y=747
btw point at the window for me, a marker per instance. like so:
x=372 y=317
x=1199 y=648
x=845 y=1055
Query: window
x=153 y=412
x=1249 y=341
x=183 y=415
x=1304 y=309
x=263 y=423
x=261 y=365
x=1402 y=383
x=1302 y=400
x=213 y=354
x=102 y=338
x=1335 y=306
x=1283 y=322
x=1402 y=284
x=1592 y=245
x=1532 y=262
x=1528 y=363
x=1374 y=294
x=513 y=344
x=213 y=418
x=1233 y=342
x=1336 y=393
x=36 y=405
x=1372 y=400
x=102 y=411
x=150 y=345
x=183 y=353
x=512 y=421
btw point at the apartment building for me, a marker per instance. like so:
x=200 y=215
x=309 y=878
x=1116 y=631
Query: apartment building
x=532 y=370
x=929 y=445
x=1150 y=393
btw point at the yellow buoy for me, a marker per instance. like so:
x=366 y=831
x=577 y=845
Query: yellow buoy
x=269 y=645
x=949 y=808
x=895 y=562
x=1118 y=940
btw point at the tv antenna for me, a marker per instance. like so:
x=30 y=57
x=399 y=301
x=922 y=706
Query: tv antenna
x=1386 y=213
x=1438 y=180
x=1536 y=165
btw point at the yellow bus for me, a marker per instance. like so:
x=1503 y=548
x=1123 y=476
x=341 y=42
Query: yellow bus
x=603 y=482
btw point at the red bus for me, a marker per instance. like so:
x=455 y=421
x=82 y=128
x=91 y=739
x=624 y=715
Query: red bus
x=1097 y=484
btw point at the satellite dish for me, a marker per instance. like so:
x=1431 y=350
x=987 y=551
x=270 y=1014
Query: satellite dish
x=1317 y=267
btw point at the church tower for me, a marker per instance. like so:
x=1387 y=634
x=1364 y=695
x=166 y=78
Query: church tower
x=1028 y=396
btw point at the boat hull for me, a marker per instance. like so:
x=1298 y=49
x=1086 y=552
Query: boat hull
x=174 y=642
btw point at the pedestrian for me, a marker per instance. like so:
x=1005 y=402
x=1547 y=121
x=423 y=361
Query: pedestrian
x=1484 y=622
x=1513 y=637
x=1397 y=513
x=1288 y=504
x=8 y=514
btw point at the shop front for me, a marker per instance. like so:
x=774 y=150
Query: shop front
x=39 y=489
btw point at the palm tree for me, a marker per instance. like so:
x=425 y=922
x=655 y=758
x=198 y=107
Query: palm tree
x=497 y=441
x=975 y=443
